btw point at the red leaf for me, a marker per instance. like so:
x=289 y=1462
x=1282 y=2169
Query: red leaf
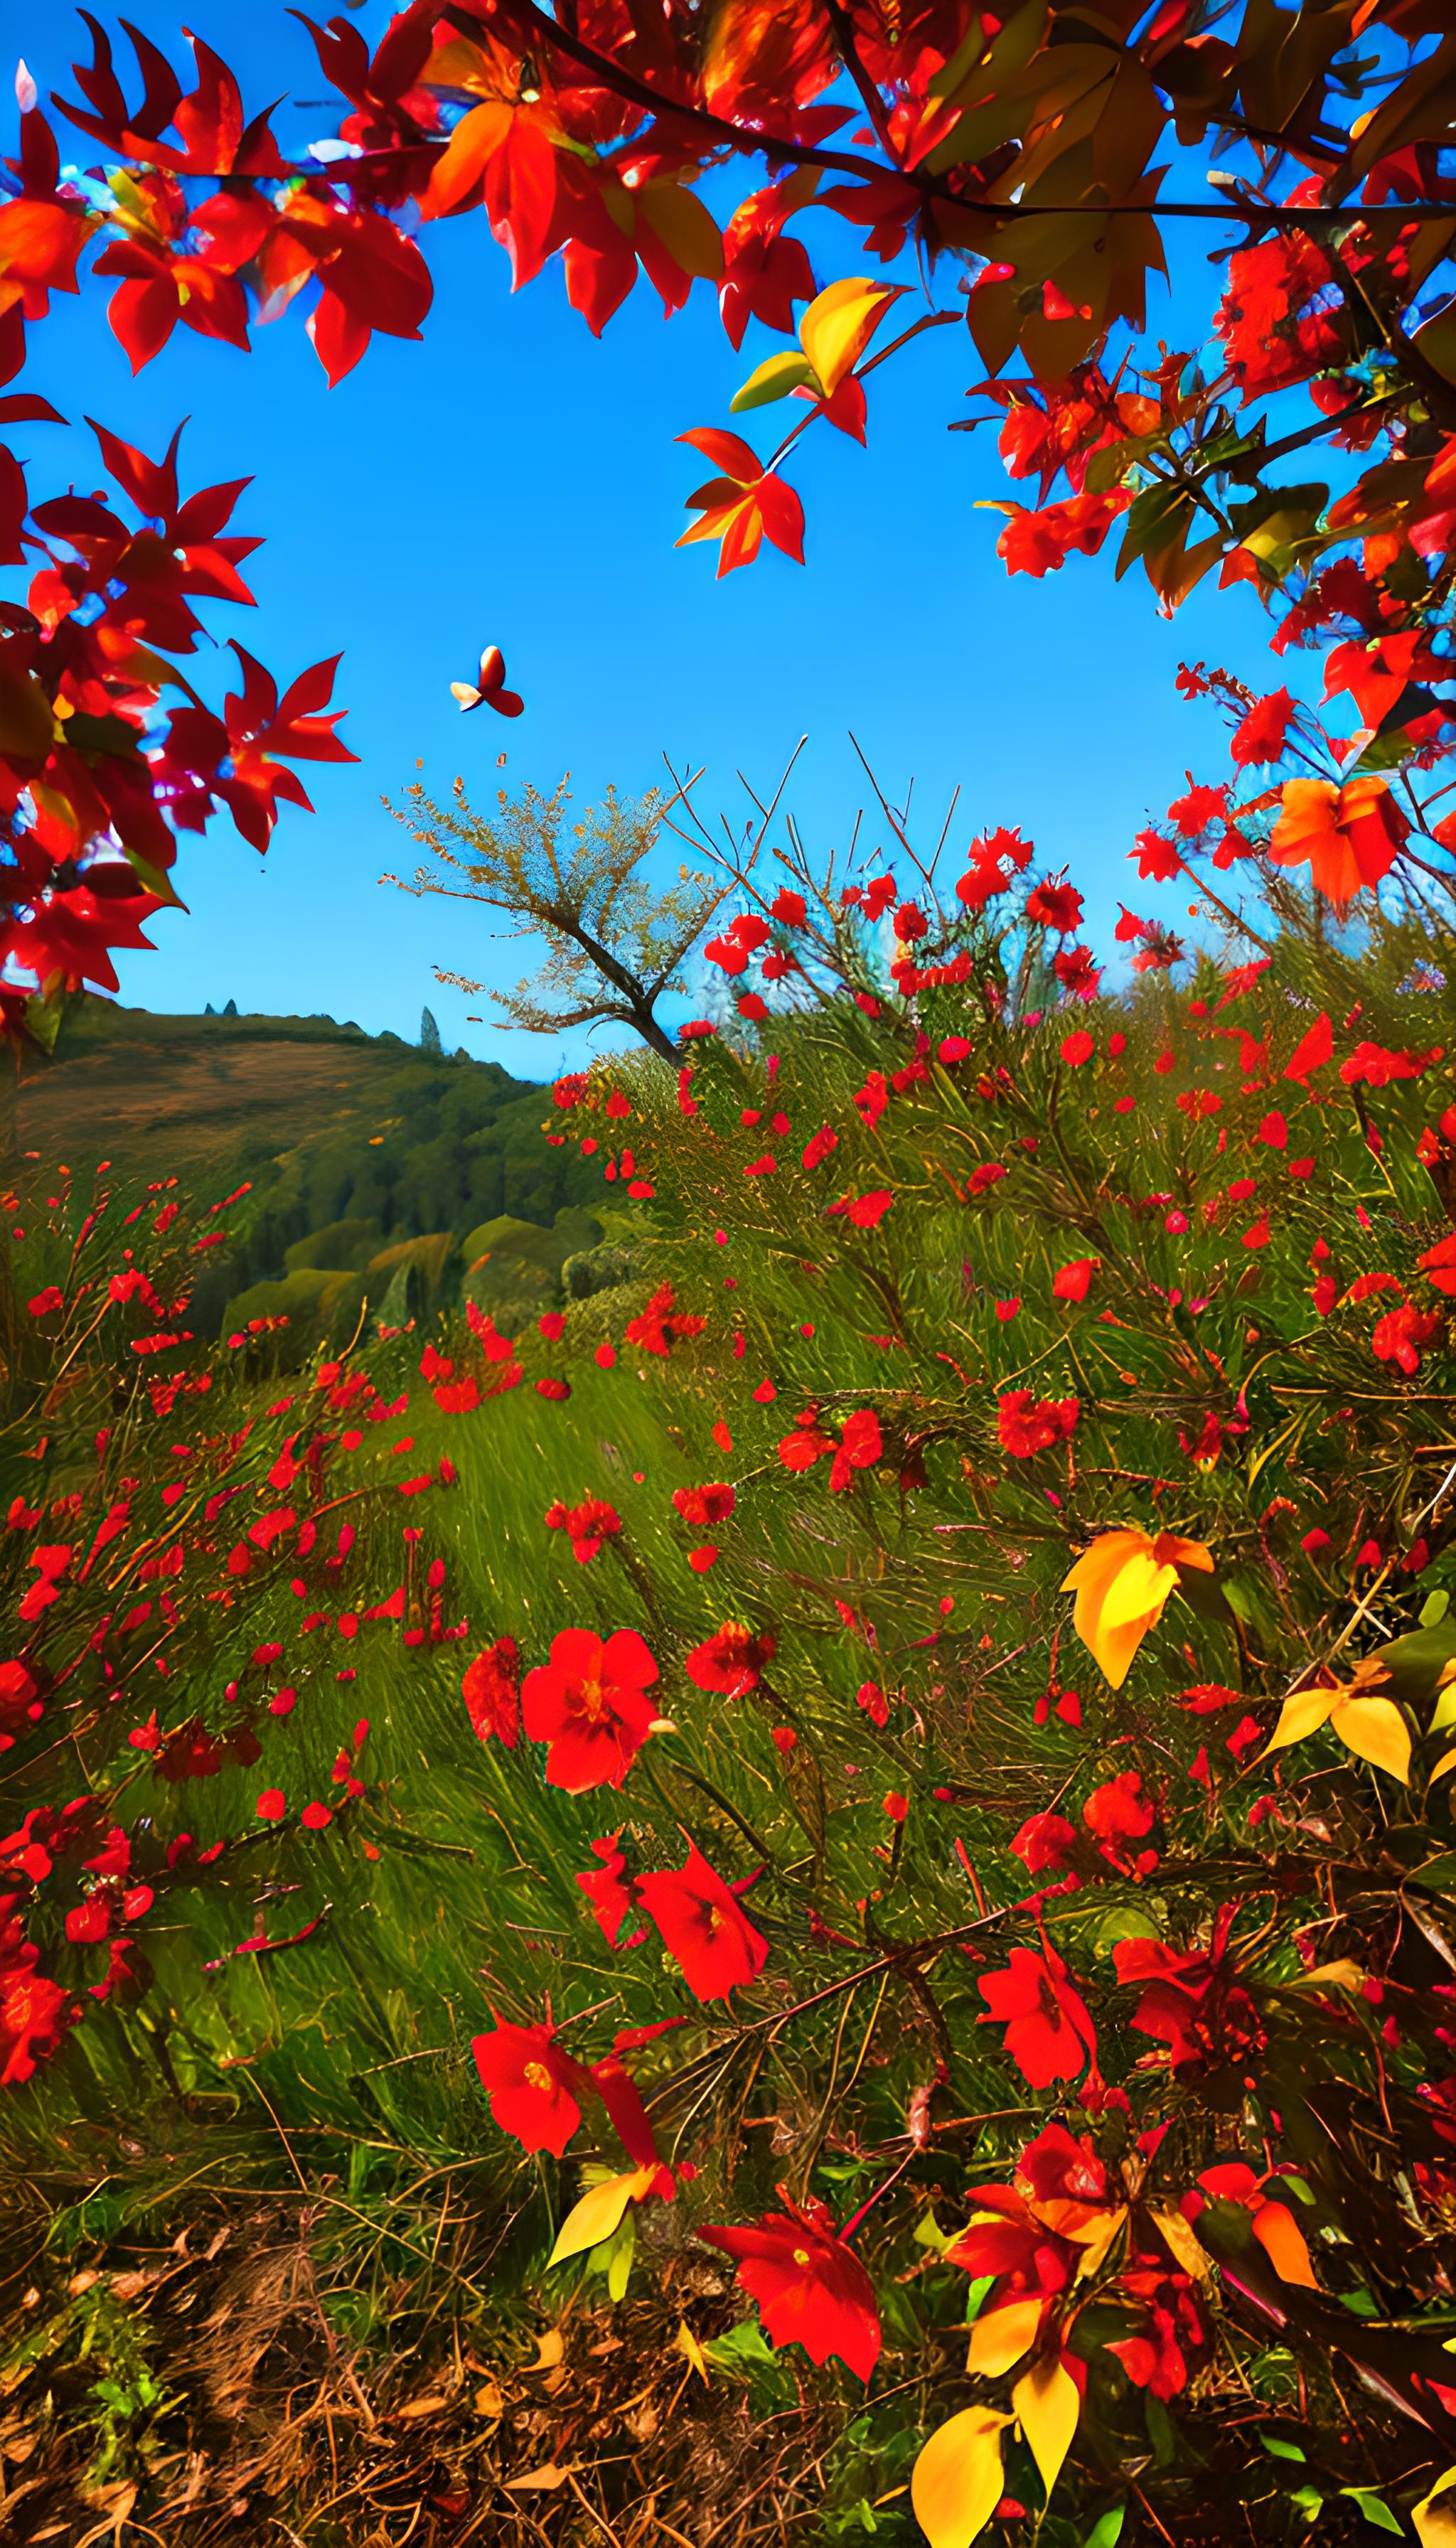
x=339 y=338
x=520 y=196
x=727 y=451
x=143 y=316
x=25 y=408
x=150 y=484
x=783 y=516
x=14 y=503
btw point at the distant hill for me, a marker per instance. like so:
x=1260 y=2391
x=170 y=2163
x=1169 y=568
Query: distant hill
x=370 y=1160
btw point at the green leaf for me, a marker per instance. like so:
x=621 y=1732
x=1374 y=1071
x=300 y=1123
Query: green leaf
x=1374 y=2510
x=1109 y=467
x=1107 y=2529
x=1279 y=2449
x=1154 y=516
x=774 y=378
x=1127 y=1922
x=1308 y=2500
x=1434 y=1608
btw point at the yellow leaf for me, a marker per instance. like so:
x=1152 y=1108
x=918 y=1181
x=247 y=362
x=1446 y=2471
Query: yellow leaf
x=689 y=2346
x=1375 y=1730
x=1343 y=1975
x=1446 y=1762
x=837 y=326
x=1094 y=2239
x=1303 y=1712
x=490 y=2399
x=1002 y=2339
x=549 y=2349
x=548 y=2477
x=1283 y=2242
x=1139 y=1589
x=1435 y=2523
x=1048 y=2402
x=1445 y=1708
x=956 y=2484
x=1189 y=2250
x=597 y=2214
x=686 y=227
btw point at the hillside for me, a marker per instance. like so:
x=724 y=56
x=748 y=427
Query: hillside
x=368 y=1159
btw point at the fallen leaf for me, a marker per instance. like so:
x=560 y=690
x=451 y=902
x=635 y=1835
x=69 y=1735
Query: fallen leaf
x=548 y=2478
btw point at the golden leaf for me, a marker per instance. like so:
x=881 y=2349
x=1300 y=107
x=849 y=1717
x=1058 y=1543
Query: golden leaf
x=838 y=326
x=688 y=2346
x=998 y=2340
x=956 y=2484
x=1343 y=1975
x=1375 y=1730
x=598 y=2214
x=1189 y=2250
x=686 y=227
x=1435 y=2523
x=548 y=2477
x=549 y=2349
x=1303 y=1712
x=1138 y=1590
x=1048 y=2402
x=1094 y=2239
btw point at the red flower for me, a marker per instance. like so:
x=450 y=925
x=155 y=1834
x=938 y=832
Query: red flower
x=1025 y=1425
x=661 y=1325
x=810 y=2288
x=1193 y=2003
x=701 y=1506
x=858 y=1447
x=864 y=1212
x=609 y=1895
x=1398 y=1336
x=1173 y=2327
x=732 y=1660
x=34 y=2010
x=589 y=1704
x=586 y=1524
x=533 y=2085
x=1044 y=1844
x=1056 y=906
x=700 y=1921
x=1116 y=1813
x=1048 y=2028
x=1078 y=971
x=1069 y=1281
x=489 y=1691
x=1260 y=736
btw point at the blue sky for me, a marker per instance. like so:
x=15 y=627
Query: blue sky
x=511 y=480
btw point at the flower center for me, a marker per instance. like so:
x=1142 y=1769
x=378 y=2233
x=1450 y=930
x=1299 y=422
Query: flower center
x=801 y=2256
x=537 y=2075
x=592 y=1701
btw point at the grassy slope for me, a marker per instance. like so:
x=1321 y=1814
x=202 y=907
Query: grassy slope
x=325 y=1121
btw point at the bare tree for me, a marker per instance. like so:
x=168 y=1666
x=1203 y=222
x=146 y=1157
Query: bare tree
x=615 y=938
